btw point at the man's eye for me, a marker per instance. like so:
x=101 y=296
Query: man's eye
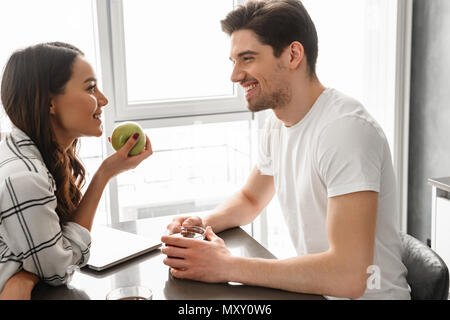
x=247 y=59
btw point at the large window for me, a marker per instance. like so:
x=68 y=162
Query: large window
x=167 y=68
x=159 y=63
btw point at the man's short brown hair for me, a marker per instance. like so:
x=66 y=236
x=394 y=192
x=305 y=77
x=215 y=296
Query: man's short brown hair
x=278 y=24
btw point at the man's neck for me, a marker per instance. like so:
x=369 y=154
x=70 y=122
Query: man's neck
x=303 y=98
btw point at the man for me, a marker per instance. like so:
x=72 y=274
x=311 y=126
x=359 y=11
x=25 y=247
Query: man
x=324 y=156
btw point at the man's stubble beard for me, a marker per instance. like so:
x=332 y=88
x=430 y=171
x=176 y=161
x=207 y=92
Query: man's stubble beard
x=276 y=100
x=279 y=97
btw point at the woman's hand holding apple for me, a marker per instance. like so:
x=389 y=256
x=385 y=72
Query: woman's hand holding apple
x=123 y=132
x=121 y=160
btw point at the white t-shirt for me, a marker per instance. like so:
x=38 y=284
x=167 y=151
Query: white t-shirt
x=337 y=148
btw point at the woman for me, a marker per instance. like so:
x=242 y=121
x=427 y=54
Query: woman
x=50 y=94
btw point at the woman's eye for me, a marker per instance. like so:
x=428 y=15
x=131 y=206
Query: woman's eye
x=91 y=89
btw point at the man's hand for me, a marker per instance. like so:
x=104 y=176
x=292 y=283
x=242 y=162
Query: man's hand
x=177 y=222
x=19 y=286
x=200 y=260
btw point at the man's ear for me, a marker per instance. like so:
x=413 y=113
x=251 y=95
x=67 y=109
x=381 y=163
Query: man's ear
x=296 y=54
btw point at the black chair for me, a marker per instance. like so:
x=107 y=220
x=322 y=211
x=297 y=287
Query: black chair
x=427 y=273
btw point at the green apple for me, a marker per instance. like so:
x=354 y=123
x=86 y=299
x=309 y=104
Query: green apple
x=124 y=131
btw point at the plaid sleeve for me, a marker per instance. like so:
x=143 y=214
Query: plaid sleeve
x=31 y=229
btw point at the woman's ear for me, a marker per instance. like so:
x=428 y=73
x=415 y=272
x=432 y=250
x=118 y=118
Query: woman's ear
x=52 y=107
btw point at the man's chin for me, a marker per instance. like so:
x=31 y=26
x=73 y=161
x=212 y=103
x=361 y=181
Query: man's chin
x=257 y=108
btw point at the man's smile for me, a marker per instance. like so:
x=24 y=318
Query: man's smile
x=250 y=88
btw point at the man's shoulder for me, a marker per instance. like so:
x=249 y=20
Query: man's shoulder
x=338 y=105
x=347 y=113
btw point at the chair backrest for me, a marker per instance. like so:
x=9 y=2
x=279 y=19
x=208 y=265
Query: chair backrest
x=427 y=273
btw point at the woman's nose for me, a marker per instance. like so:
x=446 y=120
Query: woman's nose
x=102 y=100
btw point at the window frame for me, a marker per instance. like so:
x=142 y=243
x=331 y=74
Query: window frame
x=402 y=104
x=124 y=110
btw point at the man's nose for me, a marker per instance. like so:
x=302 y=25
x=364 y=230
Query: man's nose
x=237 y=75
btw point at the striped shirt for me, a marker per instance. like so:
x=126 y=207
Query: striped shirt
x=31 y=235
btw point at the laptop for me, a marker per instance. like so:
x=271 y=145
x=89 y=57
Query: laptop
x=109 y=247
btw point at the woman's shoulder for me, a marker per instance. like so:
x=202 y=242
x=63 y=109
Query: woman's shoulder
x=22 y=166
x=25 y=189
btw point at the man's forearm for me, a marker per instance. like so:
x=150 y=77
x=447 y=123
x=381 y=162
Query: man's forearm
x=239 y=210
x=321 y=273
x=244 y=206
